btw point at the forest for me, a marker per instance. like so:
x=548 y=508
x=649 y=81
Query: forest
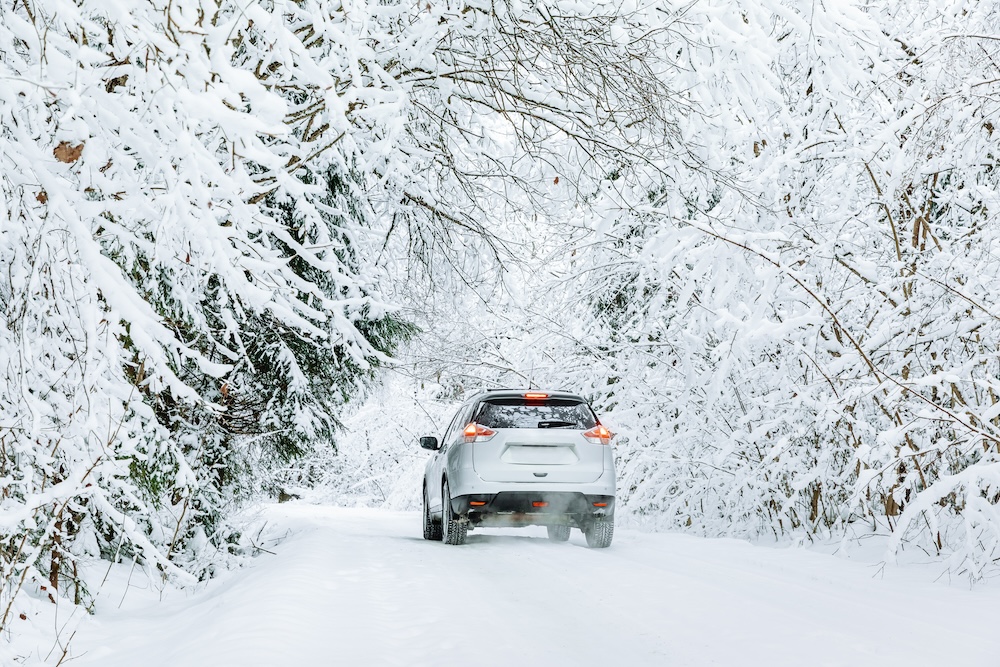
x=251 y=248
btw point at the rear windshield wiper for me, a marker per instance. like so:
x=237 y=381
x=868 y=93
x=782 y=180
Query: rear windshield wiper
x=555 y=423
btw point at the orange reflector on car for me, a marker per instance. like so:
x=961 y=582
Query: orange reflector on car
x=600 y=504
x=477 y=503
x=539 y=503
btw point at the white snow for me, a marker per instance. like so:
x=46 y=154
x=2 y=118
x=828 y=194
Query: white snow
x=361 y=587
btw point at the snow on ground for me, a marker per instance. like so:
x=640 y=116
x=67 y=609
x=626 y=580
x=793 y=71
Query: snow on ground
x=360 y=587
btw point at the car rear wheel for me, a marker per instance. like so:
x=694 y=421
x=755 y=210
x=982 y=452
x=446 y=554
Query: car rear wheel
x=454 y=531
x=558 y=533
x=432 y=530
x=599 y=533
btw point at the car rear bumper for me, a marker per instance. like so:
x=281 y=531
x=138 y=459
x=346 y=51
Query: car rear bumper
x=534 y=507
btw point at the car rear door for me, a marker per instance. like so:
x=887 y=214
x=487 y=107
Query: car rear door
x=433 y=473
x=539 y=440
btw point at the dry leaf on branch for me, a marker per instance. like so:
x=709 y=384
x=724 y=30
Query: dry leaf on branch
x=65 y=152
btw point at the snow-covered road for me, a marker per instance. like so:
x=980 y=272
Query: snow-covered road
x=360 y=587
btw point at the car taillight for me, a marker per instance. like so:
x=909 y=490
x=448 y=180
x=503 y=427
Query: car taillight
x=478 y=433
x=599 y=435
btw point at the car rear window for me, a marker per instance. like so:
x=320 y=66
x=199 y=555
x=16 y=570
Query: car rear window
x=549 y=413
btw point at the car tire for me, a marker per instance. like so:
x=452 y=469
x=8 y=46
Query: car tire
x=558 y=533
x=599 y=533
x=453 y=529
x=432 y=529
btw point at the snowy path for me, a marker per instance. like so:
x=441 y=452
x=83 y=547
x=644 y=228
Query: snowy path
x=360 y=587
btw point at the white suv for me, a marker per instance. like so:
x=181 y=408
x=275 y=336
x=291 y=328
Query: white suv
x=515 y=457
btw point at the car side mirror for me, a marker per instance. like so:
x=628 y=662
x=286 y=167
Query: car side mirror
x=429 y=442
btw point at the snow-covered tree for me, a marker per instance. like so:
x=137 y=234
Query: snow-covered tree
x=185 y=265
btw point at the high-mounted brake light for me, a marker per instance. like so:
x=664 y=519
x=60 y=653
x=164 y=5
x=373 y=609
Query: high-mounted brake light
x=478 y=433
x=539 y=503
x=599 y=435
x=535 y=395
